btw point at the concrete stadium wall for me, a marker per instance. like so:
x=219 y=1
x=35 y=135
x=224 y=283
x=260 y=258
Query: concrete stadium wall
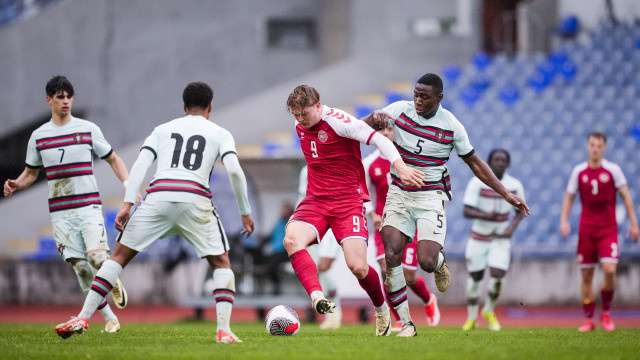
x=528 y=282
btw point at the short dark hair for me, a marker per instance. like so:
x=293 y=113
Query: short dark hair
x=197 y=95
x=599 y=135
x=494 y=151
x=303 y=96
x=58 y=84
x=432 y=80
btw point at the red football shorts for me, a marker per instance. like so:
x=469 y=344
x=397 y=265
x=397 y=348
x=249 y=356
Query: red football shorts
x=409 y=258
x=345 y=217
x=597 y=242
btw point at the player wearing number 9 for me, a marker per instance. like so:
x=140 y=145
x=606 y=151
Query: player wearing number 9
x=597 y=181
x=179 y=200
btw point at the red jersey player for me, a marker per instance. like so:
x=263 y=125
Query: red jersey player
x=597 y=181
x=330 y=140
x=377 y=170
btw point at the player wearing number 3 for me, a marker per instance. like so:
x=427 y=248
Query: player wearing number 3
x=597 y=181
x=336 y=189
x=178 y=202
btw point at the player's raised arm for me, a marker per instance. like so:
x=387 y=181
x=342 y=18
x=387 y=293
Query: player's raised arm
x=378 y=119
x=483 y=172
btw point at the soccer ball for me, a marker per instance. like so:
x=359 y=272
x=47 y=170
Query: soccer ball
x=282 y=320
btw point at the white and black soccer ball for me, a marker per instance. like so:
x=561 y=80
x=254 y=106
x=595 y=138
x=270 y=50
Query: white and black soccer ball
x=282 y=320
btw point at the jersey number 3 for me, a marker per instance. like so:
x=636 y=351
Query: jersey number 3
x=192 y=159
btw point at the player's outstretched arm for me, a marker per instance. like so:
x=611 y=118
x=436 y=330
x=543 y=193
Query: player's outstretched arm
x=565 y=228
x=26 y=178
x=239 y=186
x=118 y=166
x=120 y=169
x=633 y=231
x=483 y=172
x=378 y=119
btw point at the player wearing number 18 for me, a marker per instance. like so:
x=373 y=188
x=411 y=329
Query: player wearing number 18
x=178 y=202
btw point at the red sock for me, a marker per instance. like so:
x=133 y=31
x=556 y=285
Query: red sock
x=589 y=308
x=607 y=297
x=421 y=289
x=391 y=308
x=306 y=270
x=372 y=285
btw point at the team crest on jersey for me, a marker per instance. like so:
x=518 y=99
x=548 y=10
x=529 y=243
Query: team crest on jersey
x=585 y=178
x=77 y=138
x=323 y=136
x=440 y=135
x=604 y=177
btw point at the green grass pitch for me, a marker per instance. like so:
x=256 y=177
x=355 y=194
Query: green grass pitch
x=196 y=340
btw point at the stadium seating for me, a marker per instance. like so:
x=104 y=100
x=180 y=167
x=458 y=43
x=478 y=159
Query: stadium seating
x=541 y=108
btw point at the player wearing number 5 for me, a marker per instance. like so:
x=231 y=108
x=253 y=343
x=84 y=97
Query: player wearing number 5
x=178 y=202
x=330 y=140
x=596 y=181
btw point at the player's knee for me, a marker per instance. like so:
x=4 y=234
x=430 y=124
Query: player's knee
x=96 y=259
x=360 y=271
x=82 y=269
x=291 y=244
x=428 y=264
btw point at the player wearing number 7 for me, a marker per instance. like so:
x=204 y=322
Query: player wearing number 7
x=178 y=202
x=336 y=189
x=597 y=181
x=64 y=147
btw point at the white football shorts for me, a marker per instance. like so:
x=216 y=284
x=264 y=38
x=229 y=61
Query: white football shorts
x=197 y=222
x=408 y=211
x=77 y=232
x=483 y=254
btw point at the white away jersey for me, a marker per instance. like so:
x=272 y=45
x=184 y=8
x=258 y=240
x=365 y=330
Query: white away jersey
x=186 y=150
x=425 y=144
x=482 y=197
x=66 y=153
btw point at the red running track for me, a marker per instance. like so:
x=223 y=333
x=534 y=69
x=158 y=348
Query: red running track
x=509 y=316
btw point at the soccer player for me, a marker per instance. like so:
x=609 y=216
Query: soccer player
x=64 y=147
x=330 y=140
x=377 y=170
x=489 y=243
x=178 y=202
x=424 y=134
x=328 y=251
x=597 y=181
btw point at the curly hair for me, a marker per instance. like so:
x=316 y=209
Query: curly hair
x=303 y=96
x=197 y=95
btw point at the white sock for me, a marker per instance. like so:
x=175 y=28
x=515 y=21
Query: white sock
x=85 y=278
x=493 y=289
x=316 y=294
x=224 y=293
x=380 y=309
x=473 y=294
x=396 y=287
x=100 y=287
x=440 y=260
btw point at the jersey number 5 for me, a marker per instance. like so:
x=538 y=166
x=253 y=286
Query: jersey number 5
x=192 y=159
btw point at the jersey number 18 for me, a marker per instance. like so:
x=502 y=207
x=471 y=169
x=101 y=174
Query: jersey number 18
x=192 y=159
